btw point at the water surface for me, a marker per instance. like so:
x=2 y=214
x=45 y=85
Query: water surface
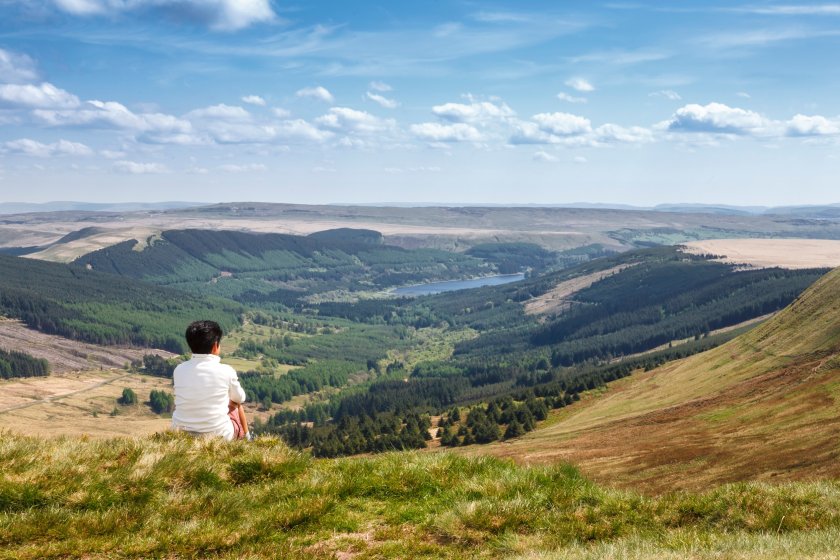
x=452 y=285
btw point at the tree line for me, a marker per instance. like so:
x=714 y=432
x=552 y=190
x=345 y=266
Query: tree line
x=19 y=364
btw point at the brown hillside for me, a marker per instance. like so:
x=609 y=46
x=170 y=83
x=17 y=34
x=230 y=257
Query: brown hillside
x=763 y=406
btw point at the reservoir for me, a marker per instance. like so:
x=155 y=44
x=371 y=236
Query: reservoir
x=452 y=285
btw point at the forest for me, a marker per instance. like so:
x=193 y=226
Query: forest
x=102 y=308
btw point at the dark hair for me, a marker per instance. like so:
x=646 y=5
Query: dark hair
x=203 y=335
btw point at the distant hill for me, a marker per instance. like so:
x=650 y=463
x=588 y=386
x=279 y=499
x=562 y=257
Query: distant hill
x=60 y=206
x=762 y=406
x=253 y=266
x=91 y=306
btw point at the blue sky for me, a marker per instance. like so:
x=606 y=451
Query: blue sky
x=502 y=102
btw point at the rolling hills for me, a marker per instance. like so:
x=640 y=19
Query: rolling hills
x=762 y=406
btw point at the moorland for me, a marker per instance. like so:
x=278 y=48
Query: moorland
x=659 y=352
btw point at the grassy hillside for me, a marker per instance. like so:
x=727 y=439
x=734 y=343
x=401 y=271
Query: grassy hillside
x=170 y=496
x=101 y=308
x=762 y=406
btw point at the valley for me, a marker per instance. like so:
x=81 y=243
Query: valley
x=318 y=338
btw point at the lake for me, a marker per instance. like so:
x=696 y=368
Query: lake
x=452 y=285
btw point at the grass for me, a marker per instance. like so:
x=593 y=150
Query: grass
x=175 y=497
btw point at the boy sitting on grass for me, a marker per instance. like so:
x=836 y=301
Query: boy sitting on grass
x=208 y=396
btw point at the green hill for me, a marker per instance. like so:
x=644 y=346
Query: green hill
x=176 y=497
x=762 y=406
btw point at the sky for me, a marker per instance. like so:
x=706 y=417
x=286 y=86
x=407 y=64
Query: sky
x=448 y=101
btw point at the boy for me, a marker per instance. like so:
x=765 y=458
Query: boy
x=208 y=397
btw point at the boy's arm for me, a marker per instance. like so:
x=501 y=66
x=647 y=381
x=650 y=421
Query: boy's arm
x=235 y=391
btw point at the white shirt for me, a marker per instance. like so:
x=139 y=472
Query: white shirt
x=203 y=388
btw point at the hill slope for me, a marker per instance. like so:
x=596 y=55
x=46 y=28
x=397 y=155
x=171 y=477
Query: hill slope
x=759 y=407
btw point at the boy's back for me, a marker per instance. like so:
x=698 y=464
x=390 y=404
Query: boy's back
x=208 y=396
x=203 y=389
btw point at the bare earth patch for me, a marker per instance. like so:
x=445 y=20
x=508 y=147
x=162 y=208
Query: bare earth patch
x=559 y=298
x=65 y=355
x=766 y=253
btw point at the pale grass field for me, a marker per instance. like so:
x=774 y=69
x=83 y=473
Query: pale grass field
x=65 y=405
x=764 y=253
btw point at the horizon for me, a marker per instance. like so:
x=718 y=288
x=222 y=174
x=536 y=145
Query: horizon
x=421 y=204
x=631 y=104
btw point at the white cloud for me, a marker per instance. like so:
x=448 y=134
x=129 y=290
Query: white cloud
x=43 y=96
x=16 y=68
x=804 y=125
x=351 y=120
x=613 y=133
x=562 y=96
x=812 y=10
x=135 y=168
x=667 y=94
x=526 y=132
x=437 y=132
x=744 y=94
x=299 y=129
x=474 y=112
x=580 y=159
x=545 y=157
x=382 y=100
x=580 y=84
x=82 y=7
x=716 y=118
x=113 y=154
x=34 y=148
x=239 y=132
x=221 y=111
x=562 y=124
x=320 y=93
x=223 y=15
x=246 y=168
x=114 y=115
x=575 y=131
x=380 y=86
x=281 y=113
x=254 y=100
x=759 y=37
